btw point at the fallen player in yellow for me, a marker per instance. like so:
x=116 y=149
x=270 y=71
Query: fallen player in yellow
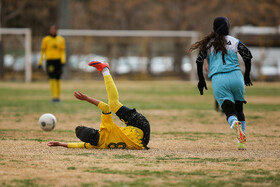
x=135 y=135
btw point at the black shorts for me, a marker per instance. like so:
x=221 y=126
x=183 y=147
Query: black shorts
x=132 y=118
x=54 y=69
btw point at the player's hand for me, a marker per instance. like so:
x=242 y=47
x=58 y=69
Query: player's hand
x=79 y=95
x=53 y=144
x=247 y=80
x=201 y=85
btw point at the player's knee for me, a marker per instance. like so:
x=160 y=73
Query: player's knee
x=239 y=105
x=115 y=105
x=240 y=116
x=229 y=108
x=88 y=135
x=239 y=110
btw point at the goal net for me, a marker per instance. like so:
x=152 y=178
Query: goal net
x=16 y=53
x=131 y=52
x=137 y=53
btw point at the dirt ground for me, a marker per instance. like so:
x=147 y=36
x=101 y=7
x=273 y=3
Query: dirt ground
x=187 y=148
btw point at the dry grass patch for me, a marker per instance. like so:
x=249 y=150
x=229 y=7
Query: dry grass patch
x=191 y=145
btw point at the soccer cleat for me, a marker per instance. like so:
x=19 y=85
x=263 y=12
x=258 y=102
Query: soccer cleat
x=238 y=131
x=241 y=146
x=99 y=65
x=55 y=100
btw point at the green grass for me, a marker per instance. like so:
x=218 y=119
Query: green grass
x=23 y=183
x=142 y=182
x=88 y=184
x=126 y=156
x=23 y=100
x=85 y=154
x=164 y=173
x=259 y=177
x=193 y=136
x=203 y=160
x=263 y=91
x=159 y=166
x=58 y=131
x=168 y=157
x=71 y=168
x=253 y=176
x=263 y=107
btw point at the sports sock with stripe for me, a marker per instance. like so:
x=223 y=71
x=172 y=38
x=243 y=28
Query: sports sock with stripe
x=231 y=119
x=243 y=124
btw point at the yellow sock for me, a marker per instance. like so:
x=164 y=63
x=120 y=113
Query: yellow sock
x=113 y=95
x=53 y=88
x=58 y=88
x=104 y=107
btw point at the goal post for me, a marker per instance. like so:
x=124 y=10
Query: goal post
x=27 y=47
x=192 y=35
x=127 y=33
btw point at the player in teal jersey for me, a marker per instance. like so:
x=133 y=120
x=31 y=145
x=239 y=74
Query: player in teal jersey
x=221 y=50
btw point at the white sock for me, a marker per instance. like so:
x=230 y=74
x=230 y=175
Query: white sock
x=105 y=71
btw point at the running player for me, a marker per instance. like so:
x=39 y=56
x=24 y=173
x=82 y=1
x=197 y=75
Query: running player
x=135 y=135
x=53 y=50
x=220 y=50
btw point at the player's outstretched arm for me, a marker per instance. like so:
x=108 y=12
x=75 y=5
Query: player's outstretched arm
x=199 y=63
x=71 y=145
x=53 y=144
x=83 y=97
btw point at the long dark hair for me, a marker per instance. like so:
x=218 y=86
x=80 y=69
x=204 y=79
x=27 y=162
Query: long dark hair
x=213 y=39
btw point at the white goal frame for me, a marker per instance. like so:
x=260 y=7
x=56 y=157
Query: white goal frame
x=27 y=47
x=193 y=35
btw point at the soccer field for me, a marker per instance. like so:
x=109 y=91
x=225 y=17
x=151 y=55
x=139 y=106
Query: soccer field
x=191 y=144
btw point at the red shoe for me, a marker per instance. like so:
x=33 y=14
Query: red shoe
x=99 y=65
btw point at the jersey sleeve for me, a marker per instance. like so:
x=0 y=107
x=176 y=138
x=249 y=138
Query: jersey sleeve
x=43 y=50
x=244 y=52
x=199 y=63
x=201 y=56
x=76 y=145
x=62 y=43
x=62 y=48
x=246 y=56
x=44 y=43
x=81 y=145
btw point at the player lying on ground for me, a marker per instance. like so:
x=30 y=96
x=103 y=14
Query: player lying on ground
x=135 y=135
x=220 y=50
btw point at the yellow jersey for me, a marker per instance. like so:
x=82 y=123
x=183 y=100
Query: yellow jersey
x=114 y=137
x=53 y=48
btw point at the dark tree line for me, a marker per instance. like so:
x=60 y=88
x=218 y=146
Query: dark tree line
x=138 y=14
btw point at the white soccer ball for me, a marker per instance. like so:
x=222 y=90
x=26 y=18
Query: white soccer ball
x=47 y=122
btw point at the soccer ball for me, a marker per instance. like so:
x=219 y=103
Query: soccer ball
x=47 y=122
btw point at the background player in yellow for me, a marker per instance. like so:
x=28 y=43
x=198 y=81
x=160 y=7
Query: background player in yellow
x=135 y=135
x=53 y=51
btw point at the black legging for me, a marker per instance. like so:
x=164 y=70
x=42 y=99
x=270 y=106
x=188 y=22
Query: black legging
x=132 y=118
